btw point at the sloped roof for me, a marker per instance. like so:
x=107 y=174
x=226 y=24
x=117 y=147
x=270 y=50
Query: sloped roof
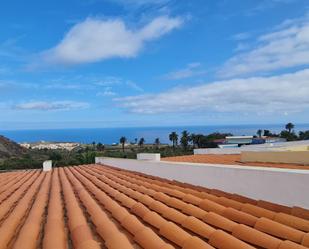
x=95 y=206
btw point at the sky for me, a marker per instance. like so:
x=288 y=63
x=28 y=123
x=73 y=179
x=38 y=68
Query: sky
x=126 y=63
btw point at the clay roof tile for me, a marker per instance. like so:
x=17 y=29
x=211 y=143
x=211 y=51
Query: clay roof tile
x=222 y=240
x=194 y=242
x=174 y=233
x=198 y=226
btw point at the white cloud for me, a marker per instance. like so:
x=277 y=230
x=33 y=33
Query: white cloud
x=191 y=70
x=108 y=81
x=133 y=86
x=286 y=47
x=64 y=86
x=108 y=91
x=53 y=105
x=258 y=95
x=94 y=40
x=140 y=2
x=241 y=36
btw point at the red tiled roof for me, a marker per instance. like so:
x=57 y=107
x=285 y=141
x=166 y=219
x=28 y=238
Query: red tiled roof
x=95 y=206
x=230 y=160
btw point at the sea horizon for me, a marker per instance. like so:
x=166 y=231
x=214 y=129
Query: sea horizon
x=110 y=135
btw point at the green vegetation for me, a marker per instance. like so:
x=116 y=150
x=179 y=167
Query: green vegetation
x=33 y=158
x=15 y=157
x=288 y=134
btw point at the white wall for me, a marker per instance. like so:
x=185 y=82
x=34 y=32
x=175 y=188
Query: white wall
x=47 y=165
x=217 y=151
x=149 y=156
x=283 y=186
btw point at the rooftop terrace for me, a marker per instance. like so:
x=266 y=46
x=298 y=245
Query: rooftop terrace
x=230 y=159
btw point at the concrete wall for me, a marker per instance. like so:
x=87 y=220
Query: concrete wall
x=217 y=151
x=149 y=156
x=287 y=187
x=297 y=157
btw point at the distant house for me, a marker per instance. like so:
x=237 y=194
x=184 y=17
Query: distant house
x=239 y=140
x=274 y=139
x=258 y=140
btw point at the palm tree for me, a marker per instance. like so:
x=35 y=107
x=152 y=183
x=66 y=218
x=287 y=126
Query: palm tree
x=173 y=138
x=141 y=142
x=157 y=142
x=184 y=140
x=267 y=133
x=289 y=127
x=259 y=133
x=193 y=139
x=123 y=140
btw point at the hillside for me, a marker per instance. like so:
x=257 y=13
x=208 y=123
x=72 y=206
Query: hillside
x=9 y=148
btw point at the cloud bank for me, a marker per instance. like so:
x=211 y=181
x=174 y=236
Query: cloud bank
x=286 y=47
x=191 y=70
x=95 y=40
x=283 y=94
x=51 y=106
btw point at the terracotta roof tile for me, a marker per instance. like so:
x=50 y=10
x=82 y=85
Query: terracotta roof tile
x=139 y=209
x=305 y=241
x=279 y=230
x=195 y=242
x=219 y=221
x=147 y=239
x=239 y=217
x=258 y=211
x=198 y=226
x=220 y=239
x=255 y=237
x=292 y=221
x=174 y=233
x=95 y=206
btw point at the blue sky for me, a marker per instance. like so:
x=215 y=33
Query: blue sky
x=111 y=63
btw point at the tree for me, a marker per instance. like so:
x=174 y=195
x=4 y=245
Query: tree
x=86 y=157
x=184 y=140
x=135 y=140
x=93 y=145
x=289 y=127
x=100 y=147
x=174 y=138
x=304 y=135
x=259 y=132
x=141 y=142
x=55 y=156
x=123 y=140
x=289 y=136
x=267 y=133
x=193 y=139
x=157 y=142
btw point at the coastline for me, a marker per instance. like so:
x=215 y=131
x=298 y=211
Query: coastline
x=112 y=135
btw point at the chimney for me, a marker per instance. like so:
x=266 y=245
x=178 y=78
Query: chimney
x=47 y=165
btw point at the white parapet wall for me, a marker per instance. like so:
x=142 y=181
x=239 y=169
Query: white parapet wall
x=294 y=157
x=284 y=186
x=47 y=165
x=149 y=156
x=217 y=151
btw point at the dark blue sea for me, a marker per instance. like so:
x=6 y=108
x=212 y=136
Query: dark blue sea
x=112 y=135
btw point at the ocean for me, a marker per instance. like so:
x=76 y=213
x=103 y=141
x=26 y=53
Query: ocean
x=112 y=135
